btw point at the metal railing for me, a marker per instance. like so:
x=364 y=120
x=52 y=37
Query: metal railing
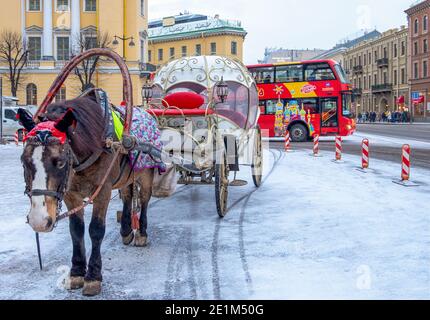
x=382 y=87
x=382 y=63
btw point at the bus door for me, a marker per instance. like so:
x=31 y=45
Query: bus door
x=329 y=115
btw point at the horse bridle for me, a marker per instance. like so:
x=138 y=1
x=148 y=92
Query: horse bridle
x=62 y=188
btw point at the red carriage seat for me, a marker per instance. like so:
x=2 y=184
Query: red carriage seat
x=182 y=103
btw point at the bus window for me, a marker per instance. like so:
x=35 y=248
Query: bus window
x=263 y=75
x=341 y=73
x=329 y=113
x=320 y=71
x=291 y=73
x=310 y=105
x=347 y=105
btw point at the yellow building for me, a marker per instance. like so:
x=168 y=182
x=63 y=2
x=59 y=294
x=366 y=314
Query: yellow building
x=52 y=29
x=191 y=34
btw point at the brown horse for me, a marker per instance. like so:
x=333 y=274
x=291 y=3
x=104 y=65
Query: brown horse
x=50 y=177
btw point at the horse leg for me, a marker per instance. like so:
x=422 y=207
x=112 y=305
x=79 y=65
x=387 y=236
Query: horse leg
x=126 y=231
x=93 y=278
x=77 y=231
x=145 y=182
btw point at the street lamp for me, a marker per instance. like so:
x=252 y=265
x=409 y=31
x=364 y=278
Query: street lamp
x=115 y=42
x=222 y=90
x=147 y=94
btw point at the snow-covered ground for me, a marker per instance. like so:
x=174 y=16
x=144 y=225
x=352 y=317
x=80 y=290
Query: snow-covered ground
x=315 y=229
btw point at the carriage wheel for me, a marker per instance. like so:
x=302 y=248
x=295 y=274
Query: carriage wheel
x=221 y=186
x=257 y=159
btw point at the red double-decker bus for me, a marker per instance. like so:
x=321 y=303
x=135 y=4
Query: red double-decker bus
x=305 y=98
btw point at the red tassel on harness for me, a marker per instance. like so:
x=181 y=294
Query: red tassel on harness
x=135 y=223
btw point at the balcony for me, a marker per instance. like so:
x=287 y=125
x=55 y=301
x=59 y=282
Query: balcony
x=380 y=88
x=32 y=64
x=357 y=91
x=382 y=63
x=357 y=69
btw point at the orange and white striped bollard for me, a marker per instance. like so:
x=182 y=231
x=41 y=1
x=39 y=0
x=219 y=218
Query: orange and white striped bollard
x=338 y=148
x=16 y=138
x=406 y=162
x=316 y=145
x=287 y=141
x=365 y=154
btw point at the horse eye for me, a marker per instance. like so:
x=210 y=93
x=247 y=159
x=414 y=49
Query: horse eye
x=60 y=164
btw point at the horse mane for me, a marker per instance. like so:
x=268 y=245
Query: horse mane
x=88 y=135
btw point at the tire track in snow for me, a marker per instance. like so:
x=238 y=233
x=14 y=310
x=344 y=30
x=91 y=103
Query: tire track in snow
x=244 y=262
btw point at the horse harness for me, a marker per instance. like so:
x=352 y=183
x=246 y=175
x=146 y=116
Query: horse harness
x=43 y=139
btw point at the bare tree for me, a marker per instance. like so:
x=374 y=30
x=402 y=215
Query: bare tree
x=86 y=70
x=13 y=51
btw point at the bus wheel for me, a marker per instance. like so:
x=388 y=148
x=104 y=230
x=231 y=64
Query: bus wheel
x=299 y=133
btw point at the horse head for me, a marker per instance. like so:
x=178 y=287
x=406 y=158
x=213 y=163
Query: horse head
x=47 y=161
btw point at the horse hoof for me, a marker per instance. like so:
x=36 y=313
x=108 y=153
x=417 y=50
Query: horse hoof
x=74 y=283
x=140 y=241
x=92 y=288
x=128 y=240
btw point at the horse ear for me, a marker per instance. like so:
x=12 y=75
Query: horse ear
x=24 y=117
x=64 y=123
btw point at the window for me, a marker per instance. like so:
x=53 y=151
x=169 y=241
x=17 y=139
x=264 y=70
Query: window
x=142 y=7
x=263 y=75
x=376 y=56
x=310 y=106
x=416 y=26
x=320 y=71
x=395 y=77
x=90 y=5
x=403 y=76
x=142 y=50
x=416 y=76
x=62 y=5
x=384 y=78
x=359 y=61
x=365 y=82
x=292 y=73
x=160 y=54
x=34 y=48
x=395 y=50
x=91 y=42
x=184 y=51
x=403 y=48
x=364 y=59
x=172 y=53
x=213 y=48
x=375 y=79
x=31 y=91
x=370 y=81
x=415 y=48
x=10 y=114
x=385 y=53
x=234 y=47
x=34 y=5
x=425 y=23
x=63 y=48
x=61 y=95
x=149 y=55
x=370 y=57
x=198 y=49
x=425 y=69
x=425 y=46
x=341 y=74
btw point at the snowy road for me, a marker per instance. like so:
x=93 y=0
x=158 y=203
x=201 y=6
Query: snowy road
x=314 y=230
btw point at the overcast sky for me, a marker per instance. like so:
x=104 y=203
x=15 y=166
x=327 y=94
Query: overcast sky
x=293 y=24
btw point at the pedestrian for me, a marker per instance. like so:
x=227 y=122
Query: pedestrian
x=389 y=116
x=360 y=117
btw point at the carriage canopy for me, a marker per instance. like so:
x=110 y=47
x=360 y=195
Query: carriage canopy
x=201 y=74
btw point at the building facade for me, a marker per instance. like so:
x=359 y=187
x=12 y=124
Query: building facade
x=419 y=59
x=192 y=34
x=274 y=55
x=378 y=71
x=53 y=30
x=338 y=52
